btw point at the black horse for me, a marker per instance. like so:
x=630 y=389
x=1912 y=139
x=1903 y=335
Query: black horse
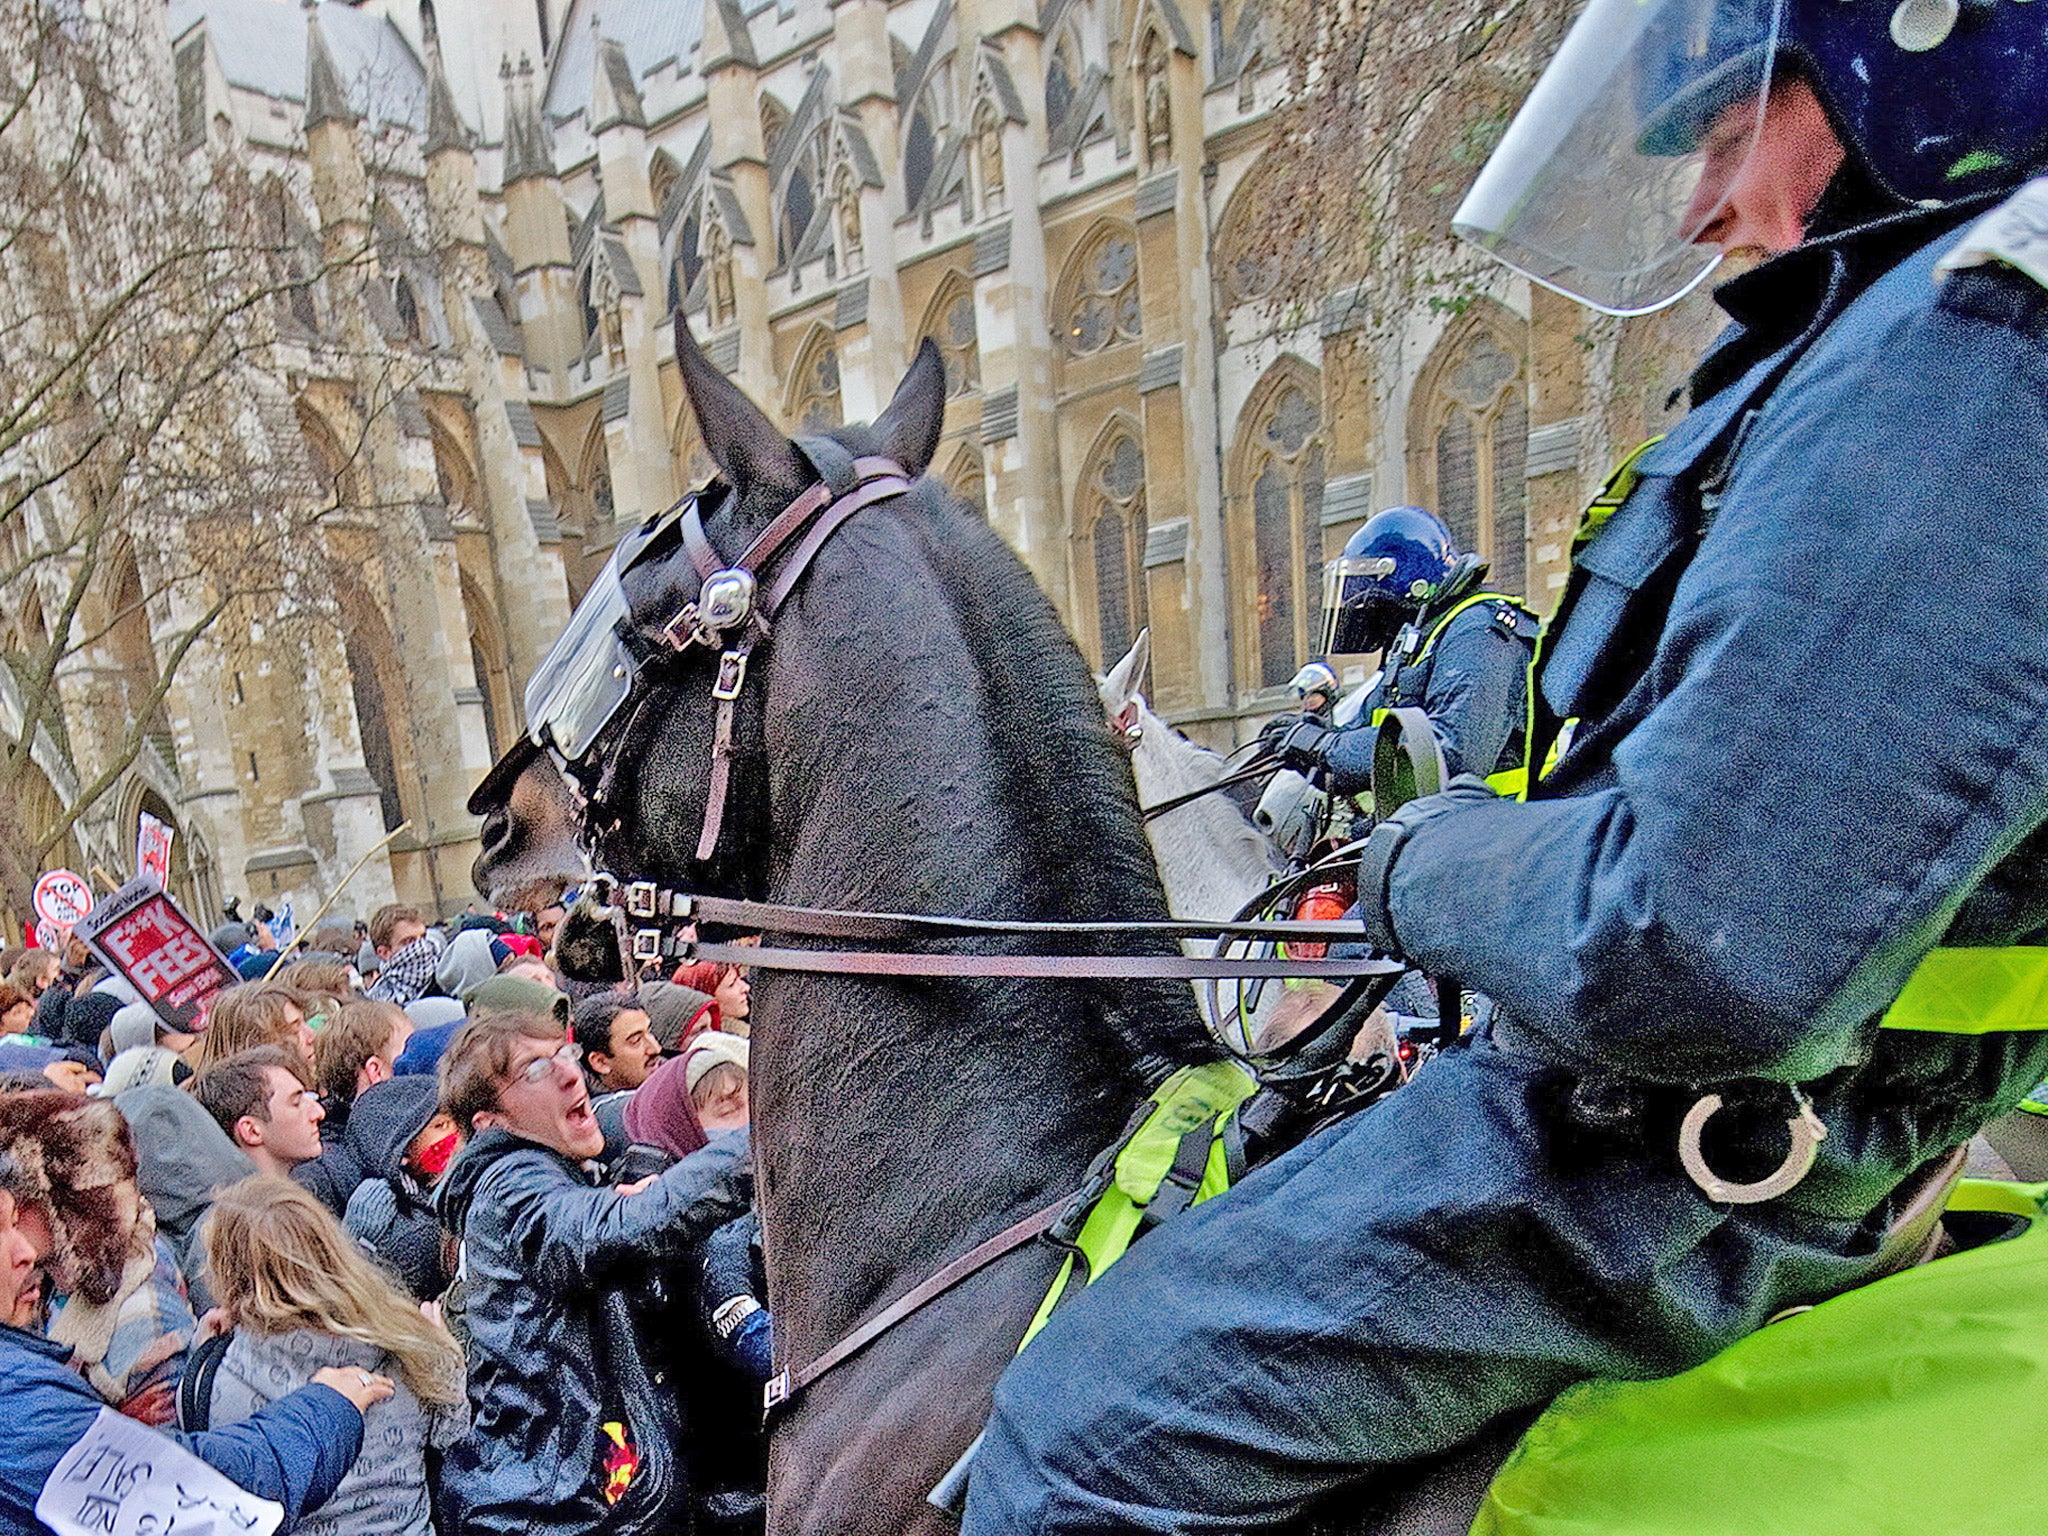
x=922 y=737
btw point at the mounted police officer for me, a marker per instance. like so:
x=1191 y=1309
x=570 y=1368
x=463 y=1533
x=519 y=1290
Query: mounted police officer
x=1770 y=941
x=1450 y=647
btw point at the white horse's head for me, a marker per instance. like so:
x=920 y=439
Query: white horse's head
x=1211 y=859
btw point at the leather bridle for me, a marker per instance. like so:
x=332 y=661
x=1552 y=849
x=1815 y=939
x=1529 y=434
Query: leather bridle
x=736 y=604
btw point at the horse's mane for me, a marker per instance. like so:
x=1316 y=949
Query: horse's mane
x=1064 y=778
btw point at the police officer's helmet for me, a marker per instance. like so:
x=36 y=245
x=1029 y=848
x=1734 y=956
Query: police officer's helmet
x=1389 y=569
x=1626 y=148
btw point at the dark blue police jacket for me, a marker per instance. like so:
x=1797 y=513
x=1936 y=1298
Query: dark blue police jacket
x=1810 y=655
x=1473 y=683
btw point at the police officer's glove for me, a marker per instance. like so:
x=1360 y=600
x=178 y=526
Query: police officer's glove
x=1302 y=742
x=1376 y=864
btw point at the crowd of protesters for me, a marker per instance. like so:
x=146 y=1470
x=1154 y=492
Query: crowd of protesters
x=412 y=1236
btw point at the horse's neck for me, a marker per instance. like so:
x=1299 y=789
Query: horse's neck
x=900 y=1121
x=1211 y=860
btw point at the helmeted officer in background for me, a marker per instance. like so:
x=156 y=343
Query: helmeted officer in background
x=1794 y=856
x=1449 y=646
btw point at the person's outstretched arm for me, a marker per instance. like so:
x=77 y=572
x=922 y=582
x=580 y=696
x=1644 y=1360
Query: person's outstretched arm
x=576 y=1232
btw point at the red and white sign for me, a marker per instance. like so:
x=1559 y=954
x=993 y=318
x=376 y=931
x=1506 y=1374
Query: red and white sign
x=145 y=937
x=153 y=849
x=62 y=898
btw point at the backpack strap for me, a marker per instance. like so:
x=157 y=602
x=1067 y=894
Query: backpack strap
x=195 y=1387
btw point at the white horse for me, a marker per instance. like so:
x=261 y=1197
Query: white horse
x=1211 y=859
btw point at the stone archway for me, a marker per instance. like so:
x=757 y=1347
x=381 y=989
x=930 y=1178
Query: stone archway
x=491 y=658
x=383 y=716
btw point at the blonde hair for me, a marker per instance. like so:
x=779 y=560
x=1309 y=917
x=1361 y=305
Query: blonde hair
x=323 y=983
x=249 y=1015
x=278 y=1261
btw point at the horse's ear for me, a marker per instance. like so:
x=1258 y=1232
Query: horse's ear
x=908 y=431
x=738 y=435
x=1127 y=677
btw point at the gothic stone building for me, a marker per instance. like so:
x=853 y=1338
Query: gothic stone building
x=1055 y=190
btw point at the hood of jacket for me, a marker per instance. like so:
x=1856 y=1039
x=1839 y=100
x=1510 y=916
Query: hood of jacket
x=469 y=962
x=385 y=1119
x=184 y=1155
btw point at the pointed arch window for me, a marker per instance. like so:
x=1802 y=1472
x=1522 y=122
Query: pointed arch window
x=408 y=306
x=920 y=148
x=1116 y=544
x=952 y=328
x=1104 y=308
x=452 y=474
x=1062 y=76
x=597 y=474
x=801 y=192
x=968 y=479
x=817 y=399
x=301 y=296
x=1282 y=491
x=1481 y=455
x=688 y=265
x=774 y=118
x=662 y=177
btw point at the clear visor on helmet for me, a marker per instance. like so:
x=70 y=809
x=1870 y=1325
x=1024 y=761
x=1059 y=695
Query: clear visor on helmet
x=1351 y=583
x=1627 y=149
x=1340 y=573
x=576 y=690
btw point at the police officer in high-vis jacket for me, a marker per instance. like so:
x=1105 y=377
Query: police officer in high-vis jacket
x=1793 y=860
x=1449 y=646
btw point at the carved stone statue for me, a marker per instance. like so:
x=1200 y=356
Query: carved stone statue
x=719 y=255
x=988 y=157
x=846 y=198
x=1156 y=102
x=610 y=323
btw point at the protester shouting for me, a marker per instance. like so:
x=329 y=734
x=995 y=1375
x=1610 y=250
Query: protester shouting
x=547 y=1260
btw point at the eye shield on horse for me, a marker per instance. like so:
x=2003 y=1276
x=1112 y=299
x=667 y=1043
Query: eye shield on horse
x=587 y=677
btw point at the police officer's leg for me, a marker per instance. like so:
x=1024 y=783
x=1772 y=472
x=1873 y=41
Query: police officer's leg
x=1381 y=1294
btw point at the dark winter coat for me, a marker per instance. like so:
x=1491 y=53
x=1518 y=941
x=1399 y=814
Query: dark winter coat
x=294 y=1452
x=540 y=1248
x=391 y=1211
x=332 y=1176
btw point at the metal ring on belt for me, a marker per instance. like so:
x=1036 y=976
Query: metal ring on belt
x=1807 y=1134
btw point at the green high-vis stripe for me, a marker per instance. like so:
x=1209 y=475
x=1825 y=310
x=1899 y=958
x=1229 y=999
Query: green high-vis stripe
x=1975 y=992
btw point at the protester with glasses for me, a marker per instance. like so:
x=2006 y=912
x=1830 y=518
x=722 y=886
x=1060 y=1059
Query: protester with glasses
x=569 y=1433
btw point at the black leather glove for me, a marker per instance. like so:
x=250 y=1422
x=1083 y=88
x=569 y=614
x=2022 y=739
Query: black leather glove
x=1299 y=741
x=1376 y=864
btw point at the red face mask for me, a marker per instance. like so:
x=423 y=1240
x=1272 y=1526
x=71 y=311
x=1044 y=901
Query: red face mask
x=434 y=1161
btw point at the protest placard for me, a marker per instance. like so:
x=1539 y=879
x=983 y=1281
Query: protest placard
x=145 y=937
x=122 y=1479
